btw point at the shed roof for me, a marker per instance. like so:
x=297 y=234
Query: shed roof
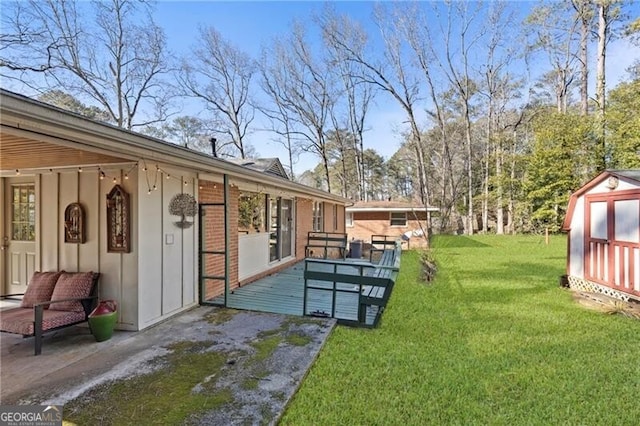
x=388 y=206
x=27 y=118
x=632 y=174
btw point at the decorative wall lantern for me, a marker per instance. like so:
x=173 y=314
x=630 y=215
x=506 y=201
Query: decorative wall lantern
x=118 y=221
x=74 y=224
x=183 y=205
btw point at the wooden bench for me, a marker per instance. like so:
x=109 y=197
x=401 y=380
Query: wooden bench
x=326 y=242
x=373 y=282
x=381 y=244
x=43 y=309
x=387 y=268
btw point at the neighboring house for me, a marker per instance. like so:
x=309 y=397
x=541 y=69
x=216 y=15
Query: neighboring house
x=406 y=221
x=603 y=223
x=79 y=195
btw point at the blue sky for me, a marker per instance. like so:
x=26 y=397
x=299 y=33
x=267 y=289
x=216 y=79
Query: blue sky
x=250 y=25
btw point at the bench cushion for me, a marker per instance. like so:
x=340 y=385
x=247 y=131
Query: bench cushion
x=20 y=320
x=40 y=288
x=75 y=285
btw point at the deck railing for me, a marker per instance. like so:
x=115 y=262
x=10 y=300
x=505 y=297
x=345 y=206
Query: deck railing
x=369 y=284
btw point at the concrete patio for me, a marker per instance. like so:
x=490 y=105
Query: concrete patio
x=73 y=363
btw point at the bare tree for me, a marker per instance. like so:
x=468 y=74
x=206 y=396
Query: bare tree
x=390 y=74
x=279 y=116
x=584 y=11
x=303 y=85
x=553 y=30
x=116 y=63
x=413 y=23
x=609 y=13
x=357 y=94
x=220 y=74
x=456 y=67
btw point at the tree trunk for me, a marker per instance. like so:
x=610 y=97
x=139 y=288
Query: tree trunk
x=603 y=11
x=584 y=58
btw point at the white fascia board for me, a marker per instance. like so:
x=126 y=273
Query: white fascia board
x=389 y=209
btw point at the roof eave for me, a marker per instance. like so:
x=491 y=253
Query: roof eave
x=40 y=118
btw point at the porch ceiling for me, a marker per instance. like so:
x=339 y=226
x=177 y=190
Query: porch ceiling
x=18 y=152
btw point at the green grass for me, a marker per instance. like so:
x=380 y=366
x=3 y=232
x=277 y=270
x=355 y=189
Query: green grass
x=493 y=340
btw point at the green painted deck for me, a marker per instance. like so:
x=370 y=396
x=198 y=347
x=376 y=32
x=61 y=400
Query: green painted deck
x=283 y=293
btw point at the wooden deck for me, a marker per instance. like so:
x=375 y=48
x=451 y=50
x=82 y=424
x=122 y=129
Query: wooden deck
x=283 y=293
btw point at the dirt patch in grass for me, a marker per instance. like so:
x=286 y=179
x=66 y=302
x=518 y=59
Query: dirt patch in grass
x=607 y=304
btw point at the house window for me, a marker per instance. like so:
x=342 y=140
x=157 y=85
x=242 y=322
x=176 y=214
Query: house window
x=348 y=217
x=251 y=213
x=317 y=216
x=335 y=217
x=398 y=218
x=23 y=213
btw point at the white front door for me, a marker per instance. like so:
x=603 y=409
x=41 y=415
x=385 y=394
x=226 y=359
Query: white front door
x=19 y=234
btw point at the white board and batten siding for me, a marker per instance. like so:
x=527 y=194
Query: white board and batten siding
x=167 y=268
x=56 y=191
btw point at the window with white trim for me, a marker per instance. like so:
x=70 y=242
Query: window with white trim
x=348 y=218
x=398 y=218
x=317 y=216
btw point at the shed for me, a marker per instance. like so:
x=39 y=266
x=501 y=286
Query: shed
x=603 y=226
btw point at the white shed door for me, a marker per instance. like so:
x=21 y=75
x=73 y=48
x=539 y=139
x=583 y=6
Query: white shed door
x=612 y=246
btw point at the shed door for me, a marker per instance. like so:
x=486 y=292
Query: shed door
x=612 y=246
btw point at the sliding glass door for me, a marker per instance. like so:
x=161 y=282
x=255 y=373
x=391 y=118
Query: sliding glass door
x=281 y=230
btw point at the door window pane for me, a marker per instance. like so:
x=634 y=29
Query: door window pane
x=23 y=220
x=627 y=220
x=598 y=226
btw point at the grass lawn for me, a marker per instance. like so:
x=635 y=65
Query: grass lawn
x=493 y=340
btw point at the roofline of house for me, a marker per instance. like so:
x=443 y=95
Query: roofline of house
x=23 y=115
x=390 y=209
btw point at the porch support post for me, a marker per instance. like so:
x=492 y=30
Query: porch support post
x=226 y=237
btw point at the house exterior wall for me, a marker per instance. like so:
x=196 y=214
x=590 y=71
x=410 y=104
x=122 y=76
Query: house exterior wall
x=167 y=256
x=118 y=271
x=304 y=224
x=576 y=241
x=248 y=253
x=213 y=192
x=366 y=224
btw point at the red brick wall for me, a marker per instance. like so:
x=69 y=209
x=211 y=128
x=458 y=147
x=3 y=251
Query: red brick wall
x=366 y=224
x=341 y=223
x=213 y=229
x=304 y=224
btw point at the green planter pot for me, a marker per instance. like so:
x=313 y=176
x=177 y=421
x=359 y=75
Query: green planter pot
x=102 y=325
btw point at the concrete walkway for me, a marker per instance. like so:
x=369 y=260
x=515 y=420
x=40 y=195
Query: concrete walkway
x=73 y=363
